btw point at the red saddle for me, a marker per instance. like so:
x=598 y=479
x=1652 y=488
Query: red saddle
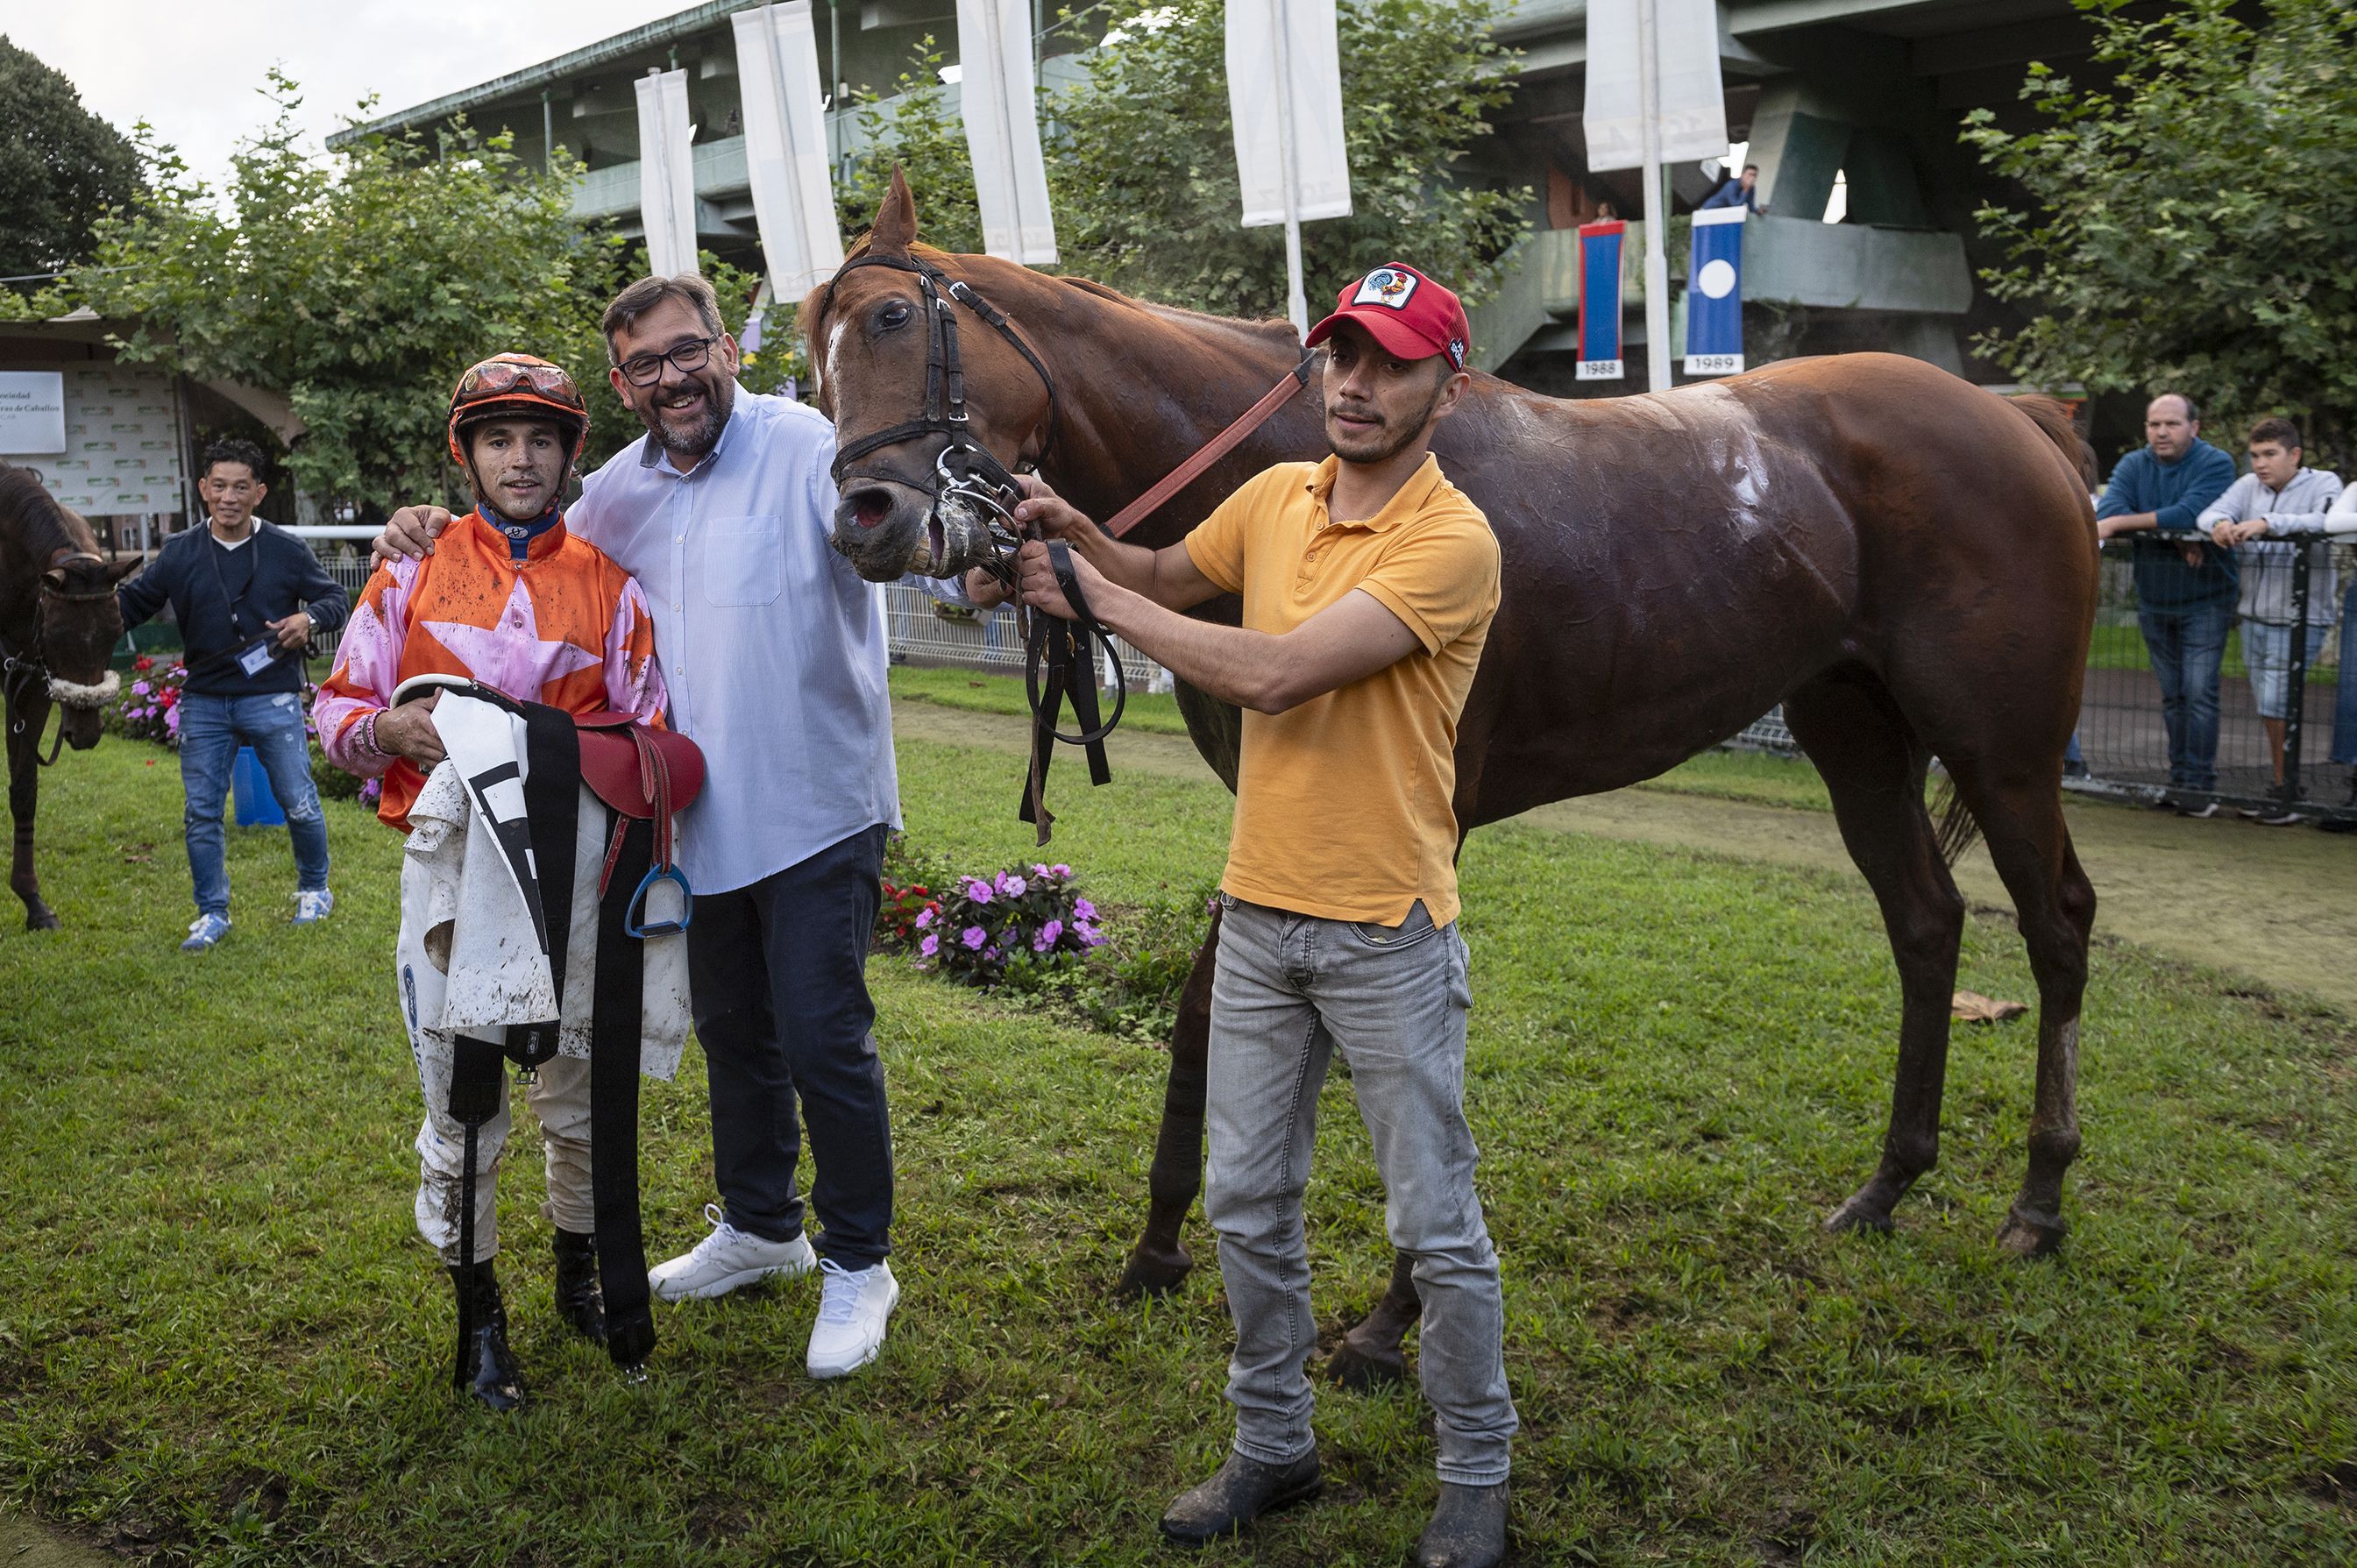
x=646 y=774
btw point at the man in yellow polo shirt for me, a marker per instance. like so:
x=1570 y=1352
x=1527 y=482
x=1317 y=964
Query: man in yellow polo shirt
x=1368 y=582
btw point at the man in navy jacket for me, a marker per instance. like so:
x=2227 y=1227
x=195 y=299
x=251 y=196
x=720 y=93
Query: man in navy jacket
x=248 y=597
x=2185 y=590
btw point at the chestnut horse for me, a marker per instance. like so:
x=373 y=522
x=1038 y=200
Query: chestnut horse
x=1904 y=560
x=58 y=626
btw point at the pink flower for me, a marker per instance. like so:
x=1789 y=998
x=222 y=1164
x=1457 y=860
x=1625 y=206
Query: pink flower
x=977 y=889
x=1047 y=937
x=974 y=937
x=140 y=688
x=1013 y=887
x=930 y=946
x=1060 y=871
x=1084 y=910
x=924 y=918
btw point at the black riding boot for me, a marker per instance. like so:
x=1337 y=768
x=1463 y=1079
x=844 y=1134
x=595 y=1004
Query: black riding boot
x=487 y=1368
x=578 y=1300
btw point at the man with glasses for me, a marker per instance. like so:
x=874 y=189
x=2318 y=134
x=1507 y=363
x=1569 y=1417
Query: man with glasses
x=248 y=600
x=774 y=653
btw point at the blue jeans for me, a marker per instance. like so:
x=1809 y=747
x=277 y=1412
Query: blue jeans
x=1289 y=989
x=2344 y=706
x=212 y=729
x=2188 y=647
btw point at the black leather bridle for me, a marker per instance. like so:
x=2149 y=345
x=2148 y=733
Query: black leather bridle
x=25 y=672
x=966 y=468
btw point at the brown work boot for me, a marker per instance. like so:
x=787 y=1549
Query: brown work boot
x=1467 y=1529
x=1241 y=1491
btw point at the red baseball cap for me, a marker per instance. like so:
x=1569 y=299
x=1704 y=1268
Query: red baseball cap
x=1409 y=314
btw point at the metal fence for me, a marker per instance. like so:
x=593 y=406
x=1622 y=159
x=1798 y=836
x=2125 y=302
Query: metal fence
x=923 y=631
x=2225 y=703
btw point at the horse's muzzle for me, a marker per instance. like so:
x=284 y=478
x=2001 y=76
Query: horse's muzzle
x=887 y=529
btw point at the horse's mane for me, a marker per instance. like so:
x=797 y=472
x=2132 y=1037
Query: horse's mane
x=45 y=526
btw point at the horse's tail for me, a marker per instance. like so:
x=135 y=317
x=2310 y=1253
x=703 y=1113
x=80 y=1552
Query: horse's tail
x=2052 y=417
x=1957 y=831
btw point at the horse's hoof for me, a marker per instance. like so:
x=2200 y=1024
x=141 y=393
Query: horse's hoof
x=1154 y=1273
x=2028 y=1238
x=1363 y=1371
x=41 y=920
x=1859 y=1213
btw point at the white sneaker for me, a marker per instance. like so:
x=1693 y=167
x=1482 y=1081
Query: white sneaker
x=727 y=1259
x=853 y=1306
x=311 y=905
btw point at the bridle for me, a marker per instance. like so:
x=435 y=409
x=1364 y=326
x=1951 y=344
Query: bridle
x=25 y=672
x=965 y=470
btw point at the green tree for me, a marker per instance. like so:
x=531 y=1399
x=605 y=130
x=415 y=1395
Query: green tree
x=362 y=283
x=2194 y=225
x=1141 y=159
x=60 y=167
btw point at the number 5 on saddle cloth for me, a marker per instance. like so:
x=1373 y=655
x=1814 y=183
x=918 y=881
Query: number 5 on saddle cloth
x=541 y=854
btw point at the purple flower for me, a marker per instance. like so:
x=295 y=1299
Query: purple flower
x=977 y=889
x=1084 y=910
x=1047 y=937
x=1090 y=936
x=991 y=956
x=974 y=937
x=140 y=688
x=1013 y=887
x=930 y=946
x=924 y=918
x=1037 y=869
x=1060 y=871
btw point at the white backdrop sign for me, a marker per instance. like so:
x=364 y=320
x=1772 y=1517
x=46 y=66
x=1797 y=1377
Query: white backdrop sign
x=1002 y=129
x=1693 y=111
x=32 y=412
x=785 y=145
x=667 y=173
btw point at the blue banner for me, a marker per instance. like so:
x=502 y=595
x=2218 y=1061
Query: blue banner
x=1599 y=300
x=1715 y=294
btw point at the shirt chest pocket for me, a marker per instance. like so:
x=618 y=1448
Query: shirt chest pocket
x=743 y=563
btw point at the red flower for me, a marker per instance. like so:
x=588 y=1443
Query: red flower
x=143 y=663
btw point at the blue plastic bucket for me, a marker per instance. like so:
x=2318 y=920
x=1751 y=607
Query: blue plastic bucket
x=256 y=806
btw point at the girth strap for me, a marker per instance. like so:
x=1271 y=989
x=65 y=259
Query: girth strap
x=1060 y=662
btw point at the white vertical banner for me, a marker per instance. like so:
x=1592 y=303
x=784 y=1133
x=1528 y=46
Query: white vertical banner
x=998 y=96
x=1691 y=106
x=785 y=145
x=1285 y=103
x=667 y=173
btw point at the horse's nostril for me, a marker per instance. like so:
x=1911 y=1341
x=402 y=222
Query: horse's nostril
x=871 y=506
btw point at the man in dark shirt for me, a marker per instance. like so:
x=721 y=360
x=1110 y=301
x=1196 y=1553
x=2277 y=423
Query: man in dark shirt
x=2185 y=587
x=248 y=598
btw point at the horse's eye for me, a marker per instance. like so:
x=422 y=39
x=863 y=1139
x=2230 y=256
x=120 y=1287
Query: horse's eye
x=894 y=314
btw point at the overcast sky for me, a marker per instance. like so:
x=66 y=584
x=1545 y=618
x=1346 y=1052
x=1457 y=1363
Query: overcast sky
x=194 y=68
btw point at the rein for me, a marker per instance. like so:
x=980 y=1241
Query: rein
x=25 y=674
x=1059 y=656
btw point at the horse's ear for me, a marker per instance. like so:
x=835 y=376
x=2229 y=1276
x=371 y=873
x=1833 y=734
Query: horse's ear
x=117 y=570
x=895 y=228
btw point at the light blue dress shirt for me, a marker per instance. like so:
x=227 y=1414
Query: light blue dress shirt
x=772 y=645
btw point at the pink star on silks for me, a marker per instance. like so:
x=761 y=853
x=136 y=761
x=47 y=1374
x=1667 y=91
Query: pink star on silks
x=512 y=657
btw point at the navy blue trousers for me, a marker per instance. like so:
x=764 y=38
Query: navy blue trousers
x=779 y=974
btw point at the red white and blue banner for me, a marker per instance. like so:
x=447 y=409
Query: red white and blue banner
x=1600 y=300
x=1715 y=294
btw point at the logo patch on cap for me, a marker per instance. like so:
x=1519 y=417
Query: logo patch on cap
x=1386 y=286
x=1456 y=352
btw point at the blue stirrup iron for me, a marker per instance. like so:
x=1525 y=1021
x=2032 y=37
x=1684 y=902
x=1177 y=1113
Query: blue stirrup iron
x=632 y=920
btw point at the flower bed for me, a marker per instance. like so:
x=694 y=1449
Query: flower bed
x=149 y=709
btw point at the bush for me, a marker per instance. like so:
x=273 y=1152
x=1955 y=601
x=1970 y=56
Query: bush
x=149 y=708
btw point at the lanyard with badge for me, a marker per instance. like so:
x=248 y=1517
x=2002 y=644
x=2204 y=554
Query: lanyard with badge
x=256 y=656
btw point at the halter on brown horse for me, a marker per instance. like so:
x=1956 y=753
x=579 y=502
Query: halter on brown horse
x=1905 y=562
x=58 y=626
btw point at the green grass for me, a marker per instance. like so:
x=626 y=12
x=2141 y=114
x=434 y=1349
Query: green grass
x=221 y=1340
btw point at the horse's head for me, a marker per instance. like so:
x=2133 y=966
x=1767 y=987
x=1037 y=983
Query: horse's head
x=883 y=334
x=81 y=624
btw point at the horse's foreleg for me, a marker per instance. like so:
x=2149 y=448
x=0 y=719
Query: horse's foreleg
x=1160 y=1261
x=24 y=795
x=2055 y=908
x=1873 y=768
x=1369 y=1354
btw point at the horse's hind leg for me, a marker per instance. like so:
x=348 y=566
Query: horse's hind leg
x=24 y=796
x=2019 y=810
x=1371 y=1353
x=1873 y=766
x=1160 y=1261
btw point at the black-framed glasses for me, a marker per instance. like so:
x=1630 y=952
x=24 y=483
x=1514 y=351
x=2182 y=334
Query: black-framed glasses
x=646 y=370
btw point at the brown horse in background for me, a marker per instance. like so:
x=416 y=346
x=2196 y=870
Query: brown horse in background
x=58 y=626
x=1904 y=560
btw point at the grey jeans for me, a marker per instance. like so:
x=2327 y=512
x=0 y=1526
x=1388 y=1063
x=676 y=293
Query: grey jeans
x=1290 y=988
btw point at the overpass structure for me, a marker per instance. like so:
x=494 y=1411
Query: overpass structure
x=1863 y=98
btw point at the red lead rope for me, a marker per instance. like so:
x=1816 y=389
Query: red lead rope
x=1219 y=446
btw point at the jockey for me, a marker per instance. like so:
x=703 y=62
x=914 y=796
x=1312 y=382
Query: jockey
x=511 y=600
